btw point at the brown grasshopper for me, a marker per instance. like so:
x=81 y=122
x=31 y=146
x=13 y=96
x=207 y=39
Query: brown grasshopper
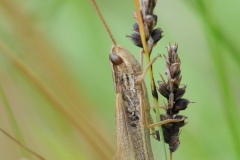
x=133 y=120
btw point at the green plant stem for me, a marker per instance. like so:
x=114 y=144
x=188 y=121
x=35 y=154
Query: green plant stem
x=13 y=122
x=153 y=86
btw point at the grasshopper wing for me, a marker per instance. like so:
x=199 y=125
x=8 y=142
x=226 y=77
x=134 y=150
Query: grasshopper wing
x=124 y=142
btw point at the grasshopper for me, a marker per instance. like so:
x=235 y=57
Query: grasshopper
x=133 y=120
x=132 y=106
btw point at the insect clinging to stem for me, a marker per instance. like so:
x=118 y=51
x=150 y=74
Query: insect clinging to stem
x=132 y=112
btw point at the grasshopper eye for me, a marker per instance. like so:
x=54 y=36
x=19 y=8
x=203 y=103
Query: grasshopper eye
x=115 y=59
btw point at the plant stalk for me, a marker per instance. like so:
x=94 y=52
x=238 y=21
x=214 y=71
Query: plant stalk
x=153 y=86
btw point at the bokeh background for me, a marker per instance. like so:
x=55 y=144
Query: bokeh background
x=57 y=94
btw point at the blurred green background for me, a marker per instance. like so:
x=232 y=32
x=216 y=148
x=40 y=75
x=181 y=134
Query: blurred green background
x=57 y=85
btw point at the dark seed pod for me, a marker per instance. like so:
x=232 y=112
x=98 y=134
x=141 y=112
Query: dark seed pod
x=156 y=35
x=180 y=104
x=163 y=89
x=175 y=130
x=166 y=134
x=136 y=39
x=179 y=93
x=174 y=143
x=135 y=28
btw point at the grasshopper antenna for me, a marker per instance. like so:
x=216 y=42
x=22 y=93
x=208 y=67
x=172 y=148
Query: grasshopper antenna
x=103 y=21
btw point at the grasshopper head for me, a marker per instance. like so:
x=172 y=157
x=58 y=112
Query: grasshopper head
x=122 y=62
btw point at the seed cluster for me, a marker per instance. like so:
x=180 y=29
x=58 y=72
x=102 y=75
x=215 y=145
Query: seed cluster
x=171 y=91
x=149 y=21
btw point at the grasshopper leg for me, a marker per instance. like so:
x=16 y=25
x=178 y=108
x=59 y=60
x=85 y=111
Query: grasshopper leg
x=165 y=122
x=152 y=125
x=141 y=57
x=140 y=78
x=153 y=130
x=160 y=106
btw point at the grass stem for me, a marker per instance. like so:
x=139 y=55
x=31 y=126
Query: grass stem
x=153 y=86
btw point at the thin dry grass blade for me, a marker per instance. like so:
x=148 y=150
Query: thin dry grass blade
x=85 y=128
x=13 y=122
x=59 y=80
x=20 y=144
